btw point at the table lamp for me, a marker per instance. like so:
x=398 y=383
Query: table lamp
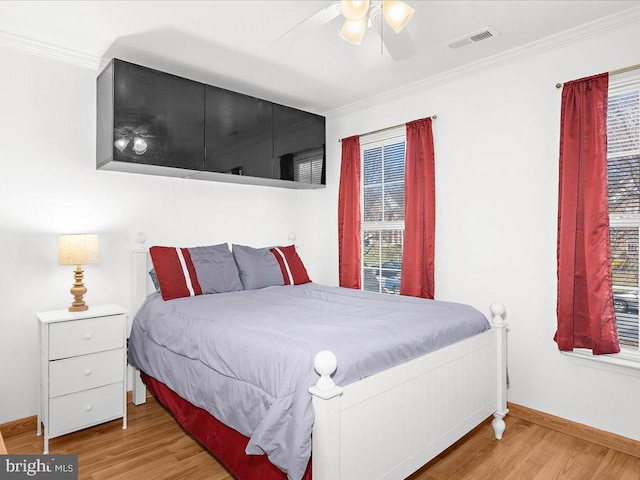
x=78 y=250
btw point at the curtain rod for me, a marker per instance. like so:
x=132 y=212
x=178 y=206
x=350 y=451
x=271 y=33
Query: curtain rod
x=613 y=72
x=384 y=129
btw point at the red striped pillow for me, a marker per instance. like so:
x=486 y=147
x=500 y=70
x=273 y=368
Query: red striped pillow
x=176 y=272
x=292 y=268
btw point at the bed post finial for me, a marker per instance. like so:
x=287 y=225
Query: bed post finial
x=497 y=313
x=140 y=239
x=325 y=363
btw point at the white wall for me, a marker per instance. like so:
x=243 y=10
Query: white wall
x=496 y=141
x=49 y=185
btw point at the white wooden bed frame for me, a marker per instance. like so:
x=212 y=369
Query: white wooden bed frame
x=390 y=424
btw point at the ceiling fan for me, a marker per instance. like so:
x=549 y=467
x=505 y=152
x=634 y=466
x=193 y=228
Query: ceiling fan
x=360 y=16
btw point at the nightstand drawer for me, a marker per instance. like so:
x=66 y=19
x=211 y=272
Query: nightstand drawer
x=84 y=372
x=79 y=337
x=78 y=410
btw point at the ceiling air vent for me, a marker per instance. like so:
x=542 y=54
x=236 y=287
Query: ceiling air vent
x=474 y=37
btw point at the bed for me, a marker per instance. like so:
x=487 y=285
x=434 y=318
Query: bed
x=384 y=424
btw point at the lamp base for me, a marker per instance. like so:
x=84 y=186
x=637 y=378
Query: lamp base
x=78 y=290
x=79 y=308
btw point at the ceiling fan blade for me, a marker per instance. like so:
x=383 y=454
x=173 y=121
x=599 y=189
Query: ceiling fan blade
x=399 y=45
x=316 y=20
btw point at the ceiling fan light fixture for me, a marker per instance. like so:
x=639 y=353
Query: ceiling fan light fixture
x=397 y=14
x=353 y=31
x=354 y=9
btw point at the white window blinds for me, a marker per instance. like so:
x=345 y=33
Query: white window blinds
x=623 y=172
x=383 y=159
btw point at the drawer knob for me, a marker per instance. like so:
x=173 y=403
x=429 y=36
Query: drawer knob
x=87 y=371
x=88 y=336
x=88 y=408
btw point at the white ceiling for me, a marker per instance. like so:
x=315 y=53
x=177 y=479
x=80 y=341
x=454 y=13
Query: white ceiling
x=224 y=43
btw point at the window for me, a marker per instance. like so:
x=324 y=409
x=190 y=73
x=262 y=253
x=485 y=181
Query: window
x=623 y=171
x=382 y=201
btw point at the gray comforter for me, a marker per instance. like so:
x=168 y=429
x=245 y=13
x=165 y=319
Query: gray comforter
x=247 y=357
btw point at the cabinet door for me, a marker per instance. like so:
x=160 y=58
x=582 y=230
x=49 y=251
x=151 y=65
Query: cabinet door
x=298 y=145
x=158 y=118
x=238 y=134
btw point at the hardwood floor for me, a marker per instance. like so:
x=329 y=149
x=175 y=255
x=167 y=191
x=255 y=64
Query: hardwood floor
x=155 y=447
x=528 y=452
x=3 y=449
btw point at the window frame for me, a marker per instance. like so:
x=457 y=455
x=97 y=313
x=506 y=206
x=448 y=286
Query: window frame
x=367 y=142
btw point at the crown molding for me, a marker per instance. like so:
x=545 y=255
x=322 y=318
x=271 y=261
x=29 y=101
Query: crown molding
x=42 y=49
x=553 y=42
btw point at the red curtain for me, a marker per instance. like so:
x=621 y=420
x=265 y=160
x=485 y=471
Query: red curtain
x=349 y=238
x=420 y=212
x=586 y=318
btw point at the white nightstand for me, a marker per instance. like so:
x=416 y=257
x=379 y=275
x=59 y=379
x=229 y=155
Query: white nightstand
x=82 y=369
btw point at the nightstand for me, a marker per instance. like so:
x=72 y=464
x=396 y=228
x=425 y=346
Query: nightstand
x=82 y=369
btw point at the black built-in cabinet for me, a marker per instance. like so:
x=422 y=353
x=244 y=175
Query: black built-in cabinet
x=157 y=123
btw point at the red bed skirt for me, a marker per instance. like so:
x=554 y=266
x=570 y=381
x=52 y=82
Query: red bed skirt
x=225 y=443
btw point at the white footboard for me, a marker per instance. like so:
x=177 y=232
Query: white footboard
x=390 y=424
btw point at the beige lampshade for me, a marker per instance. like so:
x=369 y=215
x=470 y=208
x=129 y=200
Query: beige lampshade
x=78 y=249
x=397 y=14
x=353 y=31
